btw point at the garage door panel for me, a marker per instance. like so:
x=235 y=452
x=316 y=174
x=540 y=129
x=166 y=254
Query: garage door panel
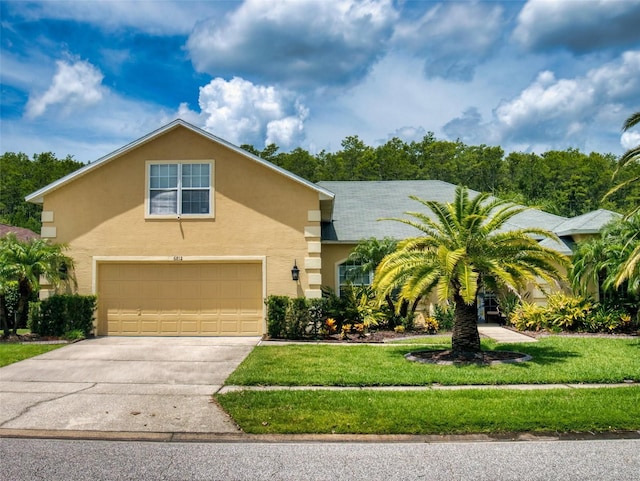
x=180 y=299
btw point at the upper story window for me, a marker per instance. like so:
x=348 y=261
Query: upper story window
x=177 y=189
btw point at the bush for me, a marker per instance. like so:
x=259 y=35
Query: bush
x=431 y=325
x=276 y=312
x=529 y=317
x=566 y=312
x=445 y=315
x=62 y=313
x=297 y=318
x=609 y=319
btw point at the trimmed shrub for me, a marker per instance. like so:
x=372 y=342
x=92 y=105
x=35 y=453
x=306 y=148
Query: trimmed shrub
x=297 y=318
x=62 y=313
x=276 y=315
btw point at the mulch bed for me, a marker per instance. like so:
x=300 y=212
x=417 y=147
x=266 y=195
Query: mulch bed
x=449 y=357
x=23 y=338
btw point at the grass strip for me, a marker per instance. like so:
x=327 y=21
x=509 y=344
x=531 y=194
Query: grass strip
x=434 y=412
x=555 y=360
x=10 y=353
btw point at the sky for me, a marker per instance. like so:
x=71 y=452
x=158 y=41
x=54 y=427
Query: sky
x=84 y=78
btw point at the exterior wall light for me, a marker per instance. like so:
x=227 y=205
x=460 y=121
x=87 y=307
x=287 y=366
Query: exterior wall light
x=295 y=272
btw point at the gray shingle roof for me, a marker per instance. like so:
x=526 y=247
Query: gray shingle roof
x=563 y=245
x=589 y=223
x=359 y=204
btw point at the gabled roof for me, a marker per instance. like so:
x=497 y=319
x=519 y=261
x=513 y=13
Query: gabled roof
x=359 y=204
x=20 y=232
x=37 y=197
x=589 y=223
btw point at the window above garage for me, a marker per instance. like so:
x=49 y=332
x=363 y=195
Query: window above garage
x=179 y=189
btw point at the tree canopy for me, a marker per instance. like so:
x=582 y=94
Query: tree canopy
x=20 y=176
x=567 y=183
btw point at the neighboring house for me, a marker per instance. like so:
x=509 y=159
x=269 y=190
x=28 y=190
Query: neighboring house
x=20 y=232
x=183 y=233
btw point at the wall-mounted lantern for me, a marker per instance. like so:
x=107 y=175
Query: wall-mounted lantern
x=295 y=272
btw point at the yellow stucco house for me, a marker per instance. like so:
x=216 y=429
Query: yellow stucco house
x=181 y=233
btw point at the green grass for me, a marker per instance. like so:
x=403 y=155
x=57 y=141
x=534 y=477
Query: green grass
x=10 y=353
x=555 y=360
x=435 y=412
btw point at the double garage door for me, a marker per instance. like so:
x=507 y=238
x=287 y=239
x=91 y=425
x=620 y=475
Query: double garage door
x=180 y=299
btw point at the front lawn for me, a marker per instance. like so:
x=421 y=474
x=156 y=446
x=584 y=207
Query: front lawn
x=10 y=353
x=556 y=359
x=434 y=412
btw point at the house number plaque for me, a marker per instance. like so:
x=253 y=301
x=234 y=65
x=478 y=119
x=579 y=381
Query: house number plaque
x=177 y=258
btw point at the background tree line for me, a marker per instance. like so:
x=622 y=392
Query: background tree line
x=565 y=182
x=20 y=176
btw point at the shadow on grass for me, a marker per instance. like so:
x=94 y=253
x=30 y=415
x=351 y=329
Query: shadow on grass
x=541 y=355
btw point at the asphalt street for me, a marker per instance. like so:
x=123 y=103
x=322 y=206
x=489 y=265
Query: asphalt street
x=71 y=460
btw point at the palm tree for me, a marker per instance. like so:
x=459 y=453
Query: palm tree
x=370 y=252
x=630 y=270
x=465 y=247
x=21 y=265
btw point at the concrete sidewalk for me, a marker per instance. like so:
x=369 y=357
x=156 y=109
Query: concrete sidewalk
x=503 y=335
x=118 y=384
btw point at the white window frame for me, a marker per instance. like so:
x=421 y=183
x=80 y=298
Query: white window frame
x=178 y=214
x=339 y=285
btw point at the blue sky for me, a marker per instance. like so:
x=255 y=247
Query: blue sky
x=84 y=78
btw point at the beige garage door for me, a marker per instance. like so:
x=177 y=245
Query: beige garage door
x=180 y=299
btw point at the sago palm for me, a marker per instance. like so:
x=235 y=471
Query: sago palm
x=466 y=246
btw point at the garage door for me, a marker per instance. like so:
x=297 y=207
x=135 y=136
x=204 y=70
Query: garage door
x=180 y=299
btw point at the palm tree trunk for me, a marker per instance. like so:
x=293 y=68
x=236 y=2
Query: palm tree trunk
x=465 y=337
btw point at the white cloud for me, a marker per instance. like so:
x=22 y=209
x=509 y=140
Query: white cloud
x=244 y=113
x=310 y=43
x=75 y=85
x=630 y=140
x=578 y=25
x=553 y=112
x=453 y=37
x=153 y=17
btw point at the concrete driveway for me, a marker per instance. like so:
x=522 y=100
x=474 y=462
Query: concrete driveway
x=123 y=384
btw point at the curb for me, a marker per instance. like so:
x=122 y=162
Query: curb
x=431 y=387
x=178 y=437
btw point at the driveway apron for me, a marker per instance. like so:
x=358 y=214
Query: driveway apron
x=123 y=384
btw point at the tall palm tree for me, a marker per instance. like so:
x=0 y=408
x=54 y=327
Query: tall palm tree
x=630 y=156
x=630 y=270
x=22 y=264
x=466 y=246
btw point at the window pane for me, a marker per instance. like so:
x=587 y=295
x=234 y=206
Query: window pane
x=352 y=273
x=195 y=175
x=163 y=176
x=163 y=202
x=195 y=202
